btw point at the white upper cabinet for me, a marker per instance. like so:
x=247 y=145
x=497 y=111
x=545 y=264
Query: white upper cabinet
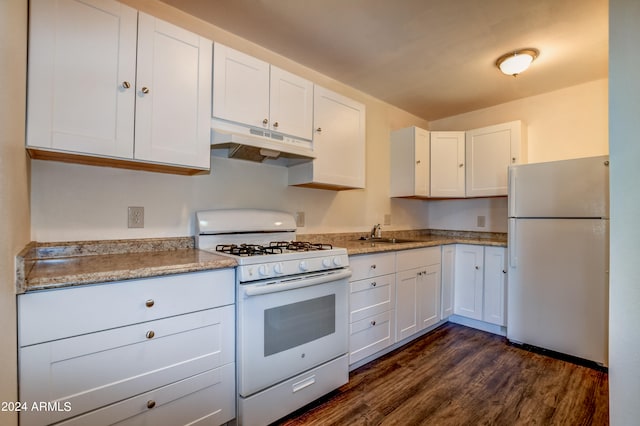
x=409 y=162
x=173 y=123
x=447 y=164
x=338 y=144
x=82 y=73
x=100 y=86
x=249 y=91
x=489 y=152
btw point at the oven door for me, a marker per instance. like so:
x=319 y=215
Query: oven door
x=289 y=326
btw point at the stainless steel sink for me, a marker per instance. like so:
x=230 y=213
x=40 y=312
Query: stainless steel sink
x=386 y=240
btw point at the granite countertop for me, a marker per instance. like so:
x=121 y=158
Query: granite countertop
x=43 y=266
x=419 y=238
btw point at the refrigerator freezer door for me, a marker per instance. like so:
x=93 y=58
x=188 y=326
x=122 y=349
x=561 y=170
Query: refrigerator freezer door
x=568 y=188
x=559 y=285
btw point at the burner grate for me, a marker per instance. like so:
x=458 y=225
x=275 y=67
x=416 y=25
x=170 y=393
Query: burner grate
x=248 y=249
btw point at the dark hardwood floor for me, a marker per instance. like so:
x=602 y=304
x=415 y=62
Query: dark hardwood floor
x=460 y=376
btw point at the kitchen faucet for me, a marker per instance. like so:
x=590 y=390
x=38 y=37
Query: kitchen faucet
x=376 y=231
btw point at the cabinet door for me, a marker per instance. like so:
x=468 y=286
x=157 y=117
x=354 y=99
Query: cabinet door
x=410 y=162
x=291 y=104
x=407 y=285
x=489 y=152
x=447 y=164
x=338 y=143
x=429 y=296
x=448 y=274
x=468 y=281
x=495 y=280
x=173 y=112
x=82 y=55
x=240 y=87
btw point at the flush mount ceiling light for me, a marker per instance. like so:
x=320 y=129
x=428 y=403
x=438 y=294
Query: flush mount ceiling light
x=513 y=63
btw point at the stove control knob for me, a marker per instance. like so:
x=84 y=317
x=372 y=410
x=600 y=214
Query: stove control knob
x=303 y=265
x=278 y=269
x=326 y=262
x=337 y=261
x=264 y=270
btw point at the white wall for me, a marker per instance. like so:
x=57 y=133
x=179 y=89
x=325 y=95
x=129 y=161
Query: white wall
x=567 y=123
x=14 y=200
x=624 y=295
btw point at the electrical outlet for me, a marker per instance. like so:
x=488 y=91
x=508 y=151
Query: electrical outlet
x=387 y=219
x=300 y=219
x=481 y=221
x=136 y=217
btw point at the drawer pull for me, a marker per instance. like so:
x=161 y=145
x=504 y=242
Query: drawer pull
x=303 y=384
x=373 y=284
x=149 y=303
x=150 y=334
x=151 y=403
x=373 y=322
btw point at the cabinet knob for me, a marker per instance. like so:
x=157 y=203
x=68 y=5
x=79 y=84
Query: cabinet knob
x=418 y=162
x=275 y=125
x=504 y=271
x=373 y=266
x=477 y=267
x=606 y=163
x=265 y=121
x=461 y=165
x=373 y=284
x=150 y=334
x=145 y=90
x=319 y=130
x=149 y=303
x=373 y=322
x=151 y=403
x=126 y=84
x=513 y=160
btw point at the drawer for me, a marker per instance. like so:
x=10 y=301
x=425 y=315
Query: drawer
x=417 y=258
x=205 y=399
x=56 y=314
x=372 y=265
x=269 y=405
x=98 y=369
x=371 y=335
x=372 y=296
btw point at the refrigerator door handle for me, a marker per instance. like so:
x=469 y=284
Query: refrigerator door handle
x=511 y=243
x=512 y=191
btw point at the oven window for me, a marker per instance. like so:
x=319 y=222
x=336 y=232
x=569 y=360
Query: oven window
x=292 y=325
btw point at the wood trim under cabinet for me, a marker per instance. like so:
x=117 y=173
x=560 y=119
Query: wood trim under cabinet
x=65 y=157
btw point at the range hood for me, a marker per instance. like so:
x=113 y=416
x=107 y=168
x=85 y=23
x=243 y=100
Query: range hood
x=255 y=144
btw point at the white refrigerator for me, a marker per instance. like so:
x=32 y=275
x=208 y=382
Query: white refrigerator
x=558 y=255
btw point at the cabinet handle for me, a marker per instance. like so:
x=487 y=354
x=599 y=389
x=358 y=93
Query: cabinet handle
x=461 y=165
x=513 y=160
x=373 y=322
x=150 y=404
x=319 y=130
x=150 y=334
x=373 y=284
x=126 y=84
x=145 y=90
x=504 y=271
x=418 y=162
x=265 y=121
x=275 y=125
x=149 y=303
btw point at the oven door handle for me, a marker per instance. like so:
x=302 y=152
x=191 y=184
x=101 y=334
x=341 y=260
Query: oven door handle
x=296 y=283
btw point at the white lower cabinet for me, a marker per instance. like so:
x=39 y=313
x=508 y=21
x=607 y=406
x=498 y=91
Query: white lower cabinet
x=417 y=290
x=371 y=304
x=448 y=275
x=155 y=372
x=480 y=283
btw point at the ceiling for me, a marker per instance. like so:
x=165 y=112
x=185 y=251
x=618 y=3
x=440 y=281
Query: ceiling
x=433 y=58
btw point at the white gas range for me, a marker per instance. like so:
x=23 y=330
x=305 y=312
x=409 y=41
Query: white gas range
x=292 y=310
